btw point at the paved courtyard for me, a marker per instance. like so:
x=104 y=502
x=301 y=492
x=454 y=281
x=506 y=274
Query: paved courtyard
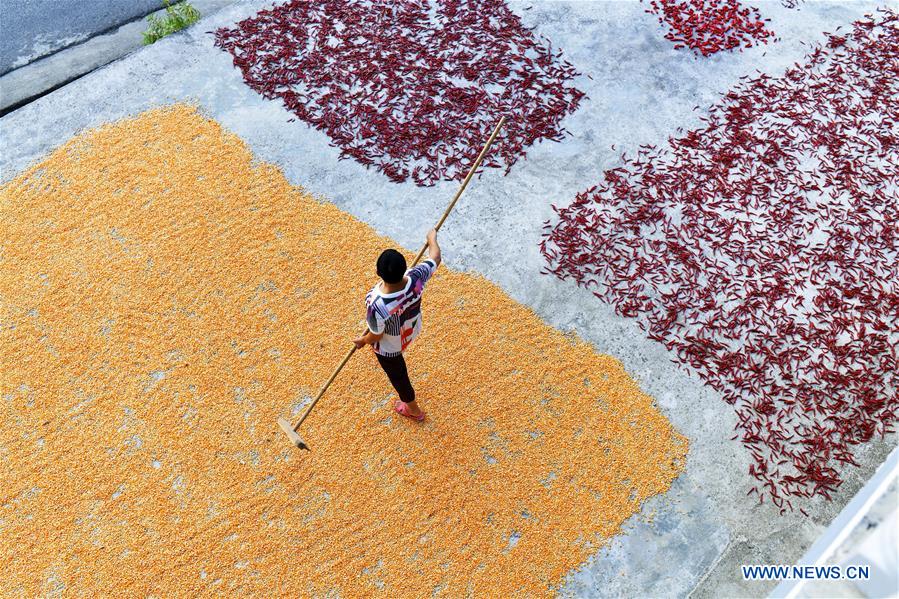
x=690 y=539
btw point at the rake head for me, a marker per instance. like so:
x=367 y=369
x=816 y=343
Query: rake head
x=292 y=434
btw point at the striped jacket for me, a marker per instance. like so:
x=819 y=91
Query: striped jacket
x=398 y=315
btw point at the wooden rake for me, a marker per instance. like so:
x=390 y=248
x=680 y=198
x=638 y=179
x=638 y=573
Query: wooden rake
x=291 y=429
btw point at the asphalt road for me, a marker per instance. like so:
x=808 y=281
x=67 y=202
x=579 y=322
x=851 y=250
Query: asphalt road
x=30 y=29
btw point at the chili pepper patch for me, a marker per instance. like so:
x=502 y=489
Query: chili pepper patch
x=409 y=88
x=762 y=250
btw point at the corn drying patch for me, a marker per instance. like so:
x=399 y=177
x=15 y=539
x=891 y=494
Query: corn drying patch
x=164 y=298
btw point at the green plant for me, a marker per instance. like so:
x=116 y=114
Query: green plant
x=176 y=18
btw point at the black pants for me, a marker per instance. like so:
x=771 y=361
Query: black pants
x=395 y=367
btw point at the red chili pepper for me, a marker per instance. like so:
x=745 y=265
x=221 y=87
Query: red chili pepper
x=710 y=26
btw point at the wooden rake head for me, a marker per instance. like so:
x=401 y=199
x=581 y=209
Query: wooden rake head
x=292 y=434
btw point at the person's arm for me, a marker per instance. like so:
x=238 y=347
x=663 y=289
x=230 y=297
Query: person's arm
x=368 y=338
x=376 y=327
x=433 y=248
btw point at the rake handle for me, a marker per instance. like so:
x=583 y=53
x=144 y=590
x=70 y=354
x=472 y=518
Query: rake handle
x=471 y=172
x=324 y=388
x=446 y=213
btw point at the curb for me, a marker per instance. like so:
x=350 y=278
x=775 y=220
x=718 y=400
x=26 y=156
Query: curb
x=28 y=83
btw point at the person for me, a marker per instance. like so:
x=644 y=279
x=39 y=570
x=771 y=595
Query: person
x=393 y=316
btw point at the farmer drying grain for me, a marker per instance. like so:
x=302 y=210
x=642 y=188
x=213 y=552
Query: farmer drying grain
x=393 y=315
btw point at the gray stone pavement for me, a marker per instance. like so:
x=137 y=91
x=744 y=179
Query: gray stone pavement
x=690 y=541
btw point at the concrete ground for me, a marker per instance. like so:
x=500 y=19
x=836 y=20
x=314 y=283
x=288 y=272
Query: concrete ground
x=688 y=542
x=105 y=35
x=32 y=29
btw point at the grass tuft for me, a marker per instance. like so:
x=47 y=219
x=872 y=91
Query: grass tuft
x=177 y=17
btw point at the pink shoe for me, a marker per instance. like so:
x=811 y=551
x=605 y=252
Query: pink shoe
x=402 y=410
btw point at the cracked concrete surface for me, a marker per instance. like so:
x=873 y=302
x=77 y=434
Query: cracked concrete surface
x=690 y=541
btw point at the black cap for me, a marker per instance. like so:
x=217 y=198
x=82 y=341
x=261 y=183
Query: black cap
x=391 y=266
